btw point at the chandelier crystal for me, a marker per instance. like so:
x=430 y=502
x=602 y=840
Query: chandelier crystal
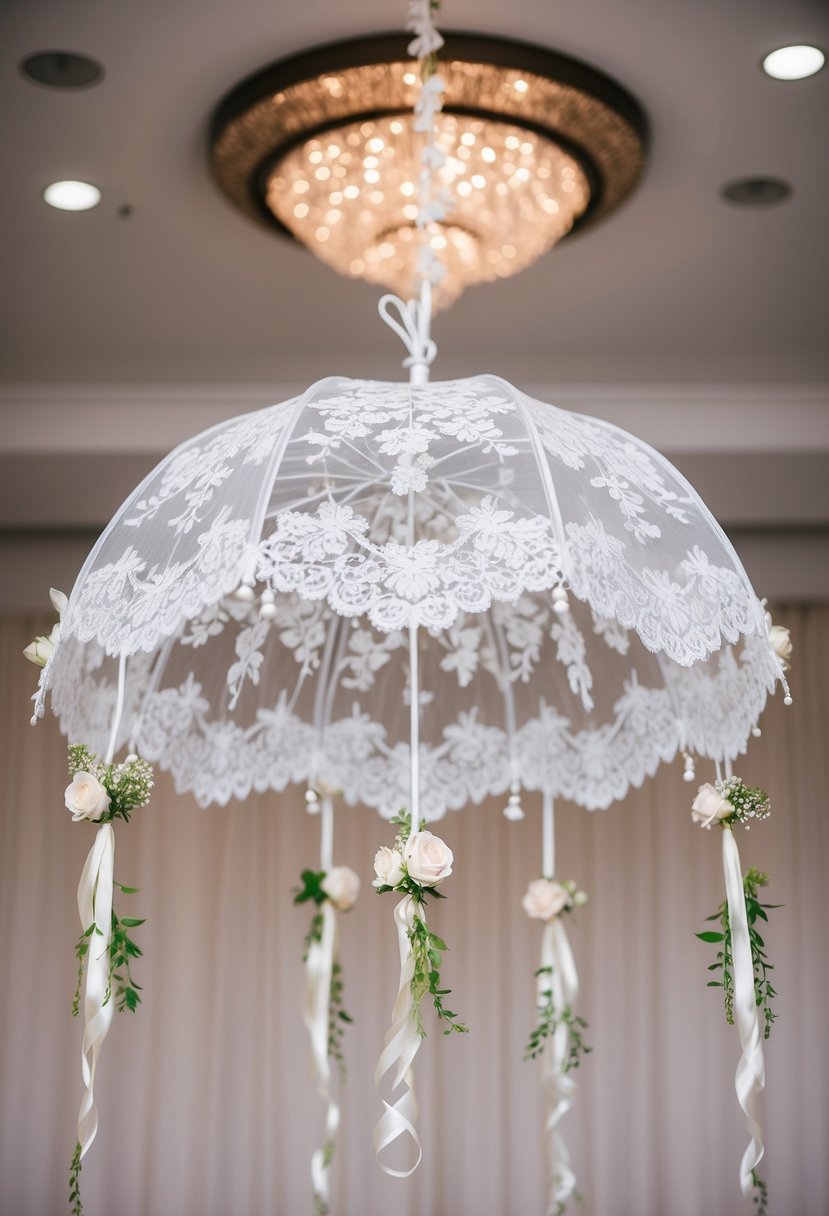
x=351 y=196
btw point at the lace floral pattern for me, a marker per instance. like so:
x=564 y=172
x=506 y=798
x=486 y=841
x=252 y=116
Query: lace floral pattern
x=327 y=555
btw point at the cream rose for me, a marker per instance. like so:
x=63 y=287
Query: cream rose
x=781 y=644
x=709 y=805
x=428 y=860
x=41 y=649
x=86 y=798
x=388 y=866
x=545 y=898
x=342 y=886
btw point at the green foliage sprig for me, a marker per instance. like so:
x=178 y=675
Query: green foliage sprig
x=122 y=952
x=427 y=947
x=764 y=992
x=311 y=891
x=549 y=1020
x=75 y=1205
x=761 y=1197
x=128 y=783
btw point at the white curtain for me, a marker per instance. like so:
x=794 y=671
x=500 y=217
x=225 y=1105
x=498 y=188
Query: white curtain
x=206 y=1105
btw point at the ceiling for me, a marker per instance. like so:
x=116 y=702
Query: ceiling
x=678 y=298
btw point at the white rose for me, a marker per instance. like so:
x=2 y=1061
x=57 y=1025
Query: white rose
x=781 y=644
x=388 y=866
x=428 y=860
x=709 y=805
x=545 y=898
x=41 y=649
x=342 y=886
x=86 y=798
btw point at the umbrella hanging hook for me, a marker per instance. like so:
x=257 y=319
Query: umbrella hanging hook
x=412 y=325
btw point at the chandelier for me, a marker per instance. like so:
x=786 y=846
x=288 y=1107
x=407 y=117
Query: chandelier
x=416 y=596
x=534 y=145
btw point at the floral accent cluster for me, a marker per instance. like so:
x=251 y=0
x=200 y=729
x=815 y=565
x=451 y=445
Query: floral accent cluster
x=41 y=649
x=781 y=644
x=340 y=885
x=546 y=898
x=101 y=792
x=414 y=867
x=729 y=801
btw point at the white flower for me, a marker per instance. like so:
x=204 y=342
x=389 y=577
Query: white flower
x=710 y=805
x=428 y=860
x=342 y=886
x=388 y=866
x=86 y=798
x=545 y=899
x=41 y=649
x=781 y=644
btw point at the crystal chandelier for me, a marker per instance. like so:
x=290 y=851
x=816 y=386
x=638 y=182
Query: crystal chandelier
x=533 y=146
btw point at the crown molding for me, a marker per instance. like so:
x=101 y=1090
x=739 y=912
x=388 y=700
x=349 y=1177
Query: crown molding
x=128 y=418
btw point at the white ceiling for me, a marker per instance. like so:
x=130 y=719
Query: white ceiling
x=700 y=325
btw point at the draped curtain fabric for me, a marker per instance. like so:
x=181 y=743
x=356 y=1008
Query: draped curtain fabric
x=206 y=1102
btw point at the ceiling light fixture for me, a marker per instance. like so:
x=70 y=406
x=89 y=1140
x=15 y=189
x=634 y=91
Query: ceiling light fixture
x=72 y=196
x=756 y=191
x=62 y=70
x=536 y=145
x=793 y=62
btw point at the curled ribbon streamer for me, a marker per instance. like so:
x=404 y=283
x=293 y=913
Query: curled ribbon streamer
x=319 y=968
x=559 y=1087
x=402 y=1043
x=750 y=1078
x=95 y=905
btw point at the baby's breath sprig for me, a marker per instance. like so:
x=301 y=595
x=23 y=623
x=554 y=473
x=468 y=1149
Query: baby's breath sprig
x=749 y=802
x=764 y=992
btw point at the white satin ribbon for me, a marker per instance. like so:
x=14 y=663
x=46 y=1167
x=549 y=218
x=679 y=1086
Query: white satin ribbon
x=402 y=1043
x=95 y=904
x=319 y=968
x=750 y=1078
x=559 y=1087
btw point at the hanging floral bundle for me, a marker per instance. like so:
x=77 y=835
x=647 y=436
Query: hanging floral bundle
x=741 y=959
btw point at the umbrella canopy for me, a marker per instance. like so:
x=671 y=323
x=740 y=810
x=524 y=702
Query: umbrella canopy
x=575 y=612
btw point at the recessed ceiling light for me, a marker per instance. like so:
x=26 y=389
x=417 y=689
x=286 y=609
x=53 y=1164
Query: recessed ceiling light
x=793 y=62
x=62 y=70
x=756 y=191
x=72 y=196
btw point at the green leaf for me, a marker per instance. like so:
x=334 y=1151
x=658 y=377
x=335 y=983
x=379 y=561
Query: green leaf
x=710 y=936
x=132 y=922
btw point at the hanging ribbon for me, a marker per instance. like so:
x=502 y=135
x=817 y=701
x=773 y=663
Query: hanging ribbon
x=95 y=905
x=750 y=1078
x=558 y=1086
x=402 y=1043
x=319 y=968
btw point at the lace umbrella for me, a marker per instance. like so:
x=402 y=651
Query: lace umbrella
x=412 y=596
x=416 y=595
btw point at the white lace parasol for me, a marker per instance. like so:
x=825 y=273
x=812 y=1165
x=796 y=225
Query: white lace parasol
x=262 y=584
